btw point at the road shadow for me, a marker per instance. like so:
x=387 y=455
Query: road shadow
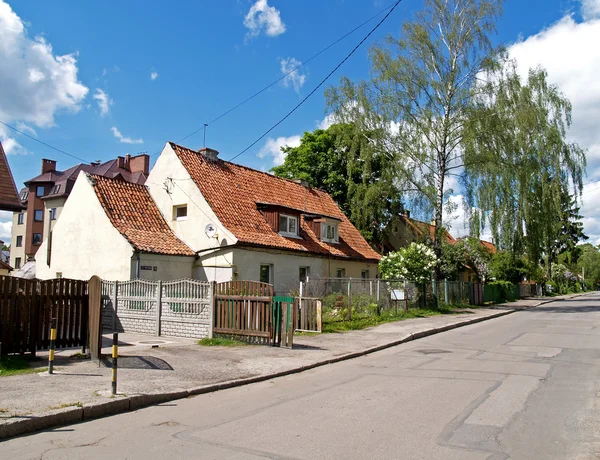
x=301 y=346
x=138 y=362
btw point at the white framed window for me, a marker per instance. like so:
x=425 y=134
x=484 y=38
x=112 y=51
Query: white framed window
x=340 y=273
x=52 y=213
x=180 y=212
x=329 y=232
x=304 y=273
x=288 y=225
x=21 y=218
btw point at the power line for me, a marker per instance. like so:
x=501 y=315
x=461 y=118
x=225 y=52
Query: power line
x=43 y=143
x=314 y=56
x=321 y=83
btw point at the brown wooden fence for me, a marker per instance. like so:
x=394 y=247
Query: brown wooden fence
x=27 y=307
x=309 y=314
x=245 y=309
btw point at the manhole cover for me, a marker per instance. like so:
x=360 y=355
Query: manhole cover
x=433 y=351
x=152 y=342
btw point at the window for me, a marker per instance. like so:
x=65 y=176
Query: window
x=18 y=262
x=38 y=215
x=55 y=189
x=37 y=239
x=21 y=218
x=265 y=273
x=288 y=225
x=341 y=273
x=304 y=273
x=365 y=274
x=59 y=274
x=19 y=242
x=24 y=195
x=39 y=190
x=52 y=213
x=329 y=232
x=180 y=212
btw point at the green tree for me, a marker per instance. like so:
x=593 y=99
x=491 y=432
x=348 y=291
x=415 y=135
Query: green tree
x=419 y=94
x=505 y=266
x=588 y=264
x=341 y=161
x=519 y=165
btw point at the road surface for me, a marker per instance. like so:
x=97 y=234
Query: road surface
x=524 y=386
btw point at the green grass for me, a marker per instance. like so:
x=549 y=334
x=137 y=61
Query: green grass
x=65 y=405
x=15 y=365
x=221 y=342
x=370 y=321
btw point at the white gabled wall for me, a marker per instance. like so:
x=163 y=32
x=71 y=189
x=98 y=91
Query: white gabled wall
x=182 y=191
x=84 y=242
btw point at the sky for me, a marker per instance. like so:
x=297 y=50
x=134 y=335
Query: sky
x=102 y=79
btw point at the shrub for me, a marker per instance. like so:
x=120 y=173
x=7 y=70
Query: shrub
x=412 y=263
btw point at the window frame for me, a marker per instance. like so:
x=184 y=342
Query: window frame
x=365 y=274
x=325 y=234
x=288 y=218
x=35 y=214
x=176 y=210
x=37 y=191
x=270 y=268
x=52 y=213
x=19 y=241
x=33 y=238
x=306 y=274
x=55 y=189
x=340 y=271
x=21 y=218
x=17 y=263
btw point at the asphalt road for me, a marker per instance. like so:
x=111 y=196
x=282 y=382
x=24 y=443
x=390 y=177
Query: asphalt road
x=524 y=386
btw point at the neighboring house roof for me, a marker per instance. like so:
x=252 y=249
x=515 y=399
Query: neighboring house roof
x=421 y=229
x=9 y=198
x=134 y=214
x=489 y=246
x=63 y=181
x=5 y=266
x=5 y=256
x=27 y=271
x=236 y=192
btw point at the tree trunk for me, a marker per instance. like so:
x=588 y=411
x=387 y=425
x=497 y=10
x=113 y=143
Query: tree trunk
x=438 y=233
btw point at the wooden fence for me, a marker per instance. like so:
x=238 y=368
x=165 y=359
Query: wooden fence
x=28 y=306
x=308 y=314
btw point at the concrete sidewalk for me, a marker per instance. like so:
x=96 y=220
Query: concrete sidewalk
x=159 y=369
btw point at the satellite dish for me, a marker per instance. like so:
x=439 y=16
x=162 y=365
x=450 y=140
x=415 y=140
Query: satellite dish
x=210 y=230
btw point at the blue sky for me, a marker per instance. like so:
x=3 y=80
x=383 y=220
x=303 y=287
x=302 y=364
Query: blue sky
x=128 y=76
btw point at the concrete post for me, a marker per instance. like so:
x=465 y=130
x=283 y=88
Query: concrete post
x=446 y=292
x=211 y=314
x=158 y=307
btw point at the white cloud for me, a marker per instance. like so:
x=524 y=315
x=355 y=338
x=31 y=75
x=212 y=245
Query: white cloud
x=153 y=75
x=568 y=51
x=123 y=139
x=326 y=122
x=294 y=77
x=104 y=102
x=5 y=226
x=273 y=148
x=34 y=82
x=263 y=17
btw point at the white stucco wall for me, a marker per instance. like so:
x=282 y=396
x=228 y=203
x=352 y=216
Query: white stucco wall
x=57 y=203
x=17 y=230
x=84 y=242
x=182 y=190
x=216 y=266
x=285 y=267
x=353 y=268
x=168 y=268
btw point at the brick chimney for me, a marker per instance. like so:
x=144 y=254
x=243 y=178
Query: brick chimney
x=48 y=165
x=121 y=162
x=210 y=154
x=140 y=163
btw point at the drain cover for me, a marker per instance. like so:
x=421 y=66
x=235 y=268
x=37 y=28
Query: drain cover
x=433 y=351
x=152 y=342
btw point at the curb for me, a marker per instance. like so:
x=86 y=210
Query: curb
x=132 y=403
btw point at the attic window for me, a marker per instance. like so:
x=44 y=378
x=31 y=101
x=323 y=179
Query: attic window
x=288 y=225
x=55 y=190
x=24 y=195
x=329 y=232
x=180 y=212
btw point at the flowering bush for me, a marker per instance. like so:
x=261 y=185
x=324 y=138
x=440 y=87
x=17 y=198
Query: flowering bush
x=413 y=263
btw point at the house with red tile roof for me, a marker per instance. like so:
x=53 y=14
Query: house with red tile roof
x=112 y=228
x=44 y=196
x=250 y=225
x=404 y=230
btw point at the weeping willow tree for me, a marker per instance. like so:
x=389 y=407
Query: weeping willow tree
x=419 y=94
x=519 y=164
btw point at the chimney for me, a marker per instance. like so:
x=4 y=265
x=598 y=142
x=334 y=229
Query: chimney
x=96 y=163
x=121 y=162
x=140 y=163
x=407 y=213
x=209 y=154
x=302 y=182
x=48 y=165
x=128 y=162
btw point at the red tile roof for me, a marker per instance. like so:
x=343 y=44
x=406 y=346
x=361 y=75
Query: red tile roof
x=234 y=191
x=489 y=246
x=134 y=214
x=9 y=198
x=419 y=229
x=5 y=266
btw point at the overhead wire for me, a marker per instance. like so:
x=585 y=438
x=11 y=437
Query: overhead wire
x=322 y=82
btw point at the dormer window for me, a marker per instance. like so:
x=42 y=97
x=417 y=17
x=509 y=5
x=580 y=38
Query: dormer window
x=288 y=225
x=329 y=232
x=180 y=212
